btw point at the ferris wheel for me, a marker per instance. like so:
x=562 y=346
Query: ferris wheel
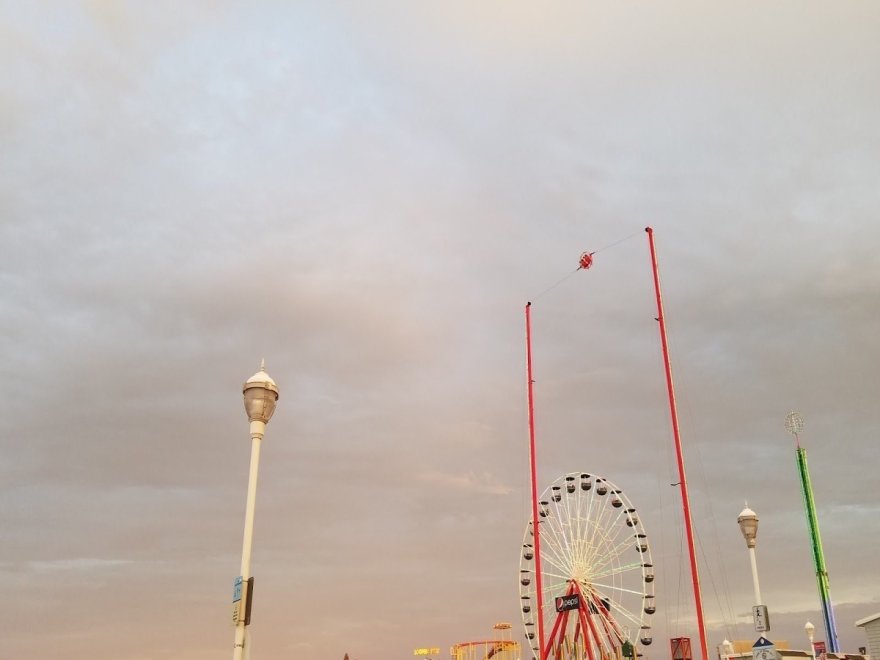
x=596 y=573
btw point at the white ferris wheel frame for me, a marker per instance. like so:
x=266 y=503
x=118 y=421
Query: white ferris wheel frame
x=592 y=544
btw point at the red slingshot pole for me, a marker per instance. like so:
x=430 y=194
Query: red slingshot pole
x=685 y=502
x=536 y=527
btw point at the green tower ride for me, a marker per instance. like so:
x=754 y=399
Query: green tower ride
x=794 y=424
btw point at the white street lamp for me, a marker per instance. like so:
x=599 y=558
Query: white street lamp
x=727 y=649
x=748 y=525
x=260 y=394
x=810 y=629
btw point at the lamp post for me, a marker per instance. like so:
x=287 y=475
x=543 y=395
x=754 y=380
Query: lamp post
x=260 y=394
x=810 y=629
x=727 y=649
x=748 y=525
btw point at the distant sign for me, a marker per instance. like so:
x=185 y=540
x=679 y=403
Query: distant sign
x=764 y=649
x=566 y=603
x=761 y=617
x=237 y=613
x=819 y=650
x=431 y=651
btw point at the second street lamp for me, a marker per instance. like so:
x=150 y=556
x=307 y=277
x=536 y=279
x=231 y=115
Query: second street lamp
x=748 y=525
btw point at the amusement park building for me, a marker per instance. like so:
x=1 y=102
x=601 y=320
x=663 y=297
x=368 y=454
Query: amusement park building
x=871 y=625
x=743 y=651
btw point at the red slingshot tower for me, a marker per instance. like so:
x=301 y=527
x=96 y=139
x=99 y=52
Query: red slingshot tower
x=572 y=573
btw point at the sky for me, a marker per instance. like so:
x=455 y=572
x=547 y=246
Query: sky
x=367 y=194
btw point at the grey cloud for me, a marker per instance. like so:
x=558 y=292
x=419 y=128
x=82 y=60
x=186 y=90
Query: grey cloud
x=367 y=197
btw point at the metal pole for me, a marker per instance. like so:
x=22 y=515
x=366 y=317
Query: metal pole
x=758 y=600
x=536 y=527
x=258 y=428
x=818 y=555
x=685 y=502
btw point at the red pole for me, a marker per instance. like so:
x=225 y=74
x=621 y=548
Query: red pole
x=536 y=527
x=685 y=502
x=559 y=626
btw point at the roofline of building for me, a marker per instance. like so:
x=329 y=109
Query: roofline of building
x=867 y=619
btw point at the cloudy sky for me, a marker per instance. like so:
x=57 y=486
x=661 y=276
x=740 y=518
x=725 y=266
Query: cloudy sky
x=367 y=194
